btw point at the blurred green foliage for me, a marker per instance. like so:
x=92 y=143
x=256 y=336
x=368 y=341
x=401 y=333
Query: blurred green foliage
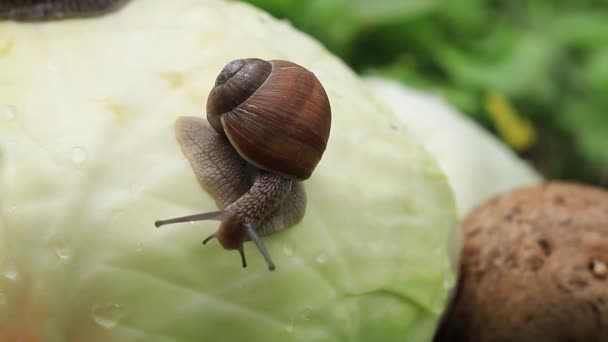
x=546 y=59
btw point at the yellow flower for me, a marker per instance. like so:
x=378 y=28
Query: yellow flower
x=513 y=128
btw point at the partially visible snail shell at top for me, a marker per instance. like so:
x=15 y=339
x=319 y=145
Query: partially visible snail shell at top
x=42 y=10
x=268 y=127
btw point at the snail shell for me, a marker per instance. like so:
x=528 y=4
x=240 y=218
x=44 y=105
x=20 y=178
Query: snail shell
x=276 y=114
x=40 y=10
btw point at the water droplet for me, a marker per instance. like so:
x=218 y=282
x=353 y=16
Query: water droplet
x=79 y=155
x=62 y=252
x=2 y=299
x=317 y=72
x=289 y=328
x=321 y=258
x=133 y=185
x=107 y=315
x=10 y=271
x=60 y=247
x=438 y=303
x=8 y=112
x=263 y=18
x=140 y=247
x=437 y=308
x=305 y=315
x=12 y=209
x=448 y=281
x=287 y=251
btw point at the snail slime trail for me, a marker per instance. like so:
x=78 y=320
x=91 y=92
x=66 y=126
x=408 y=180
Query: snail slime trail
x=267 y=127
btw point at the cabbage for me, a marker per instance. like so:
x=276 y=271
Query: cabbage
x=477 y=165
x=88 y=161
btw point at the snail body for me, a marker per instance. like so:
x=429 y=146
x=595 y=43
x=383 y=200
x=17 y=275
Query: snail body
x=268 y=126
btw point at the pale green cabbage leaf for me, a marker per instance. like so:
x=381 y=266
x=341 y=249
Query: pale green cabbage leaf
x=478 y=165
x=88 y=161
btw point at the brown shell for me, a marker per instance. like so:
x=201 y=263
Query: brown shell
x=275 y=113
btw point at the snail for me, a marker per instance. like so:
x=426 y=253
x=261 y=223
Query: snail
x=34 y=10
x=268 y=126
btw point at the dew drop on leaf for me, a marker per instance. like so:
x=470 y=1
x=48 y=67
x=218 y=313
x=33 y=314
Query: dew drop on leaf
x=79 y=155
x=8 y=113
x=107 y=315
x=60 y=247
x=321 y=258
x=10 y=271
x=305 y=315
x=287 y=251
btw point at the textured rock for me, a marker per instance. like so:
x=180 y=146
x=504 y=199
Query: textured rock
x=534 y=268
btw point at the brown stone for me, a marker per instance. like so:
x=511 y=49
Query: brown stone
x=533 y=268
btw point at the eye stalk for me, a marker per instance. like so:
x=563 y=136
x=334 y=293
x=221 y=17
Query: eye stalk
x=226 y=240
